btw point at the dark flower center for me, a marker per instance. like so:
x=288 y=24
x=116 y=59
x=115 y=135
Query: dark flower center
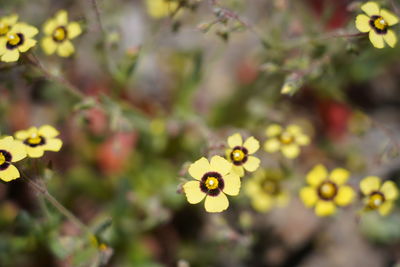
x=14 y=40
x=327 y=190
x=35 y=140
x=271 y=186
x=379 y=24
x=286 y=138
x=60 y=34
x=239 y=155
x=375 y=200
x=5 y=159
x=212 y=183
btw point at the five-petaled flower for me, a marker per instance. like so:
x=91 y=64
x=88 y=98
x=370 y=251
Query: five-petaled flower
x=377 y=22
x=378 y=196
x=288 y=140
x=239 y=153
x=6 y=24
x=59 y=33
x=161 y=8
x=10 y=151
x=326 y=191
x=37 y=141
x=214 y=179
x=265 y=190
x=18 y=39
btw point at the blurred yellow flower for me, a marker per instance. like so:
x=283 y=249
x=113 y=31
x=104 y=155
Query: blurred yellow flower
x=161 y=8
x=59 y=33
x=239 y=154
x=214 y=179
x=265 y=190
x=6 y=24
x=17 y=40
x=379 y=196
x=288 y=140
x=326 y=191
x=377 y=22
x=37 y=141
x=10 y=151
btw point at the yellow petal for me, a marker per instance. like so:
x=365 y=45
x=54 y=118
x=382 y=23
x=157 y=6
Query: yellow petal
x=239 y=170
x=309 y=196
x=49 y=26
x=10 y=56
x=290 y=151
x=390 y=38
x=317 y=175
x=17 y=150
x=389 y=17
x=272 y=145
x=386 y=208
x=34 y=152
x=371 y=8
x=193 y=192
x=28 y=43
x=29 y=31
x=199 y=168
x=282 y=199
x=273 y=130
x=302 y=139
x=10 y=20
x=251 y=144
x=48 y=45
x=62 y=17
x=74 y=30
x=370 y=184
x=3 y=46
x=294 y=129
x=390 y=190
x=262 y=203
x=362 y=23
x=48 y=131
x=325 y=208
x=65 y=49
x=345 y=195
x=251 y=164
x=252 y=188
x=231 y=184
x=376 y=39
x=235 y=140
x=220 y=165
x=9 y=174
x=53 y=144
x=6 y=142
x=339 y=176
x=216 y=204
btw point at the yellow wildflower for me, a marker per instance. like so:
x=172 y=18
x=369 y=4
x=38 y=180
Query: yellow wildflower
x=6 y=24
x=326 y=191
x=59 y=33
x=288 y=140
x=377 y=23
x=161 y=8
x=18 y=39
x=239 y=154
x=214 y=179
x=10 y=151
x=37 y=141
x=379 y=196
x=265 y=190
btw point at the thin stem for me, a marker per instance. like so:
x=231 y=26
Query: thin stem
x=98 y=16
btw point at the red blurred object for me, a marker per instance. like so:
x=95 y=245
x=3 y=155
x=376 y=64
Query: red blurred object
x=247 y=72
x=114 y=152
x=339 y=15
x=97 y=120
x=334 y=116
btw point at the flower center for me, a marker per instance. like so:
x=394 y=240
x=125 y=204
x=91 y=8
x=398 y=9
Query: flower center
x=2 y=158
x=13 y=39
x=4 y=28
x=211 y=183
x=238 y=155
x=60 y=34
x=35 y=140
x=327 y=190
x=5 y=159
x=270 y=187
x=380 y=23
x=286 y=138
x=375 y=200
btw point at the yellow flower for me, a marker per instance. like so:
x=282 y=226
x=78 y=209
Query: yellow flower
x=377 y=22
x=10 y=151
x=59 y=33
x=379 y=196
x=161 y=8
x=37 y=141
x=214 y=179
x=6 y=24
x=288 y=140
x=17 y=40
x=326 y=191
x=265 y=190
x=239 y=154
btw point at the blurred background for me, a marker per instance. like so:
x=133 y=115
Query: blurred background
x=164 y=84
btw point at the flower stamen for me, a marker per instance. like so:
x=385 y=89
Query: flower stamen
x=375 y=200
x=211 y=183
x=327 y=190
